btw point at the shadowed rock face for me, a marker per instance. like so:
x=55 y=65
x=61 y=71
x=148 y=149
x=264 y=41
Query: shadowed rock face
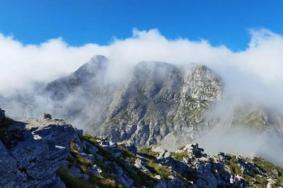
x=2 y=114
x=52 y=153
x=33 y=159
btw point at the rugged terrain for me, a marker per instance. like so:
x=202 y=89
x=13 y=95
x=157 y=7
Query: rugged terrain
x=50 y=153
x=158 y=102
x=156 y=99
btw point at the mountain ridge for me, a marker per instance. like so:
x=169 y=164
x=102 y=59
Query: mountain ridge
x=51 y=153
x=156 y=88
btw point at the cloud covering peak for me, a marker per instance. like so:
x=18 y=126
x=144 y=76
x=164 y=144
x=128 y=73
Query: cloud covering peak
x=257 y=68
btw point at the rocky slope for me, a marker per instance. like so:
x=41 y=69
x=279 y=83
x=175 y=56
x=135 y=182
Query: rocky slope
x=161 y=99
x=50 y=153
x=157 y=99
x=158 y=103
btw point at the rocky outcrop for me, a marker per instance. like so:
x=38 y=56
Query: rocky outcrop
x=51 y=153
x=161 y=99
x=157 y=99
x=33 y=159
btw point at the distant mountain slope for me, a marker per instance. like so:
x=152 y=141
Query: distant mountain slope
x=157 y=103
x=161 y=98
x=90 y=73
x=157 y=99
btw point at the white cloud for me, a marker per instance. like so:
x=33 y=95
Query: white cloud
x=255 y=71
x=23 y=64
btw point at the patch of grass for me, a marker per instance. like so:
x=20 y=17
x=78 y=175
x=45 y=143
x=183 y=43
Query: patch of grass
x=139 y=177
x=179 y=155
x=95 y=181
x=163 y=171
x=260 y=180
x=104 y=182
x=90 y=138
x=126 y=154
x=73 y=147
x=270 y=169
x=233 y=165
x=80 y=161
x=148 y=152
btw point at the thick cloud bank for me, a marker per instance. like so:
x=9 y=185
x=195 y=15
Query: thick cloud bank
x=255 y=71
x=251 y=75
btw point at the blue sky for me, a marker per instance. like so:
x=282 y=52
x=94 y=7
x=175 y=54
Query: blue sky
x=98 y=21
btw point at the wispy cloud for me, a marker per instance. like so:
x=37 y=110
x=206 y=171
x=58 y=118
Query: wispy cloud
x=253 y=71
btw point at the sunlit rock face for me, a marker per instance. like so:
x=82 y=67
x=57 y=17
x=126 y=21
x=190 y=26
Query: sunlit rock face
x=50 y=153
x=161 y=99
x=156 y=99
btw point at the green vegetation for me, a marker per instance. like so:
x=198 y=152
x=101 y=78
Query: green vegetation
x=126 y=154
x=272 y=170
x=80 y=161
x=179 y=155
x=163 y=171
x=104 y=182
x=234 y=166
x=139 y=177
x=94 y=181
x=72 y=181
x=148 y=152
x=89 y=138
x=257 y=180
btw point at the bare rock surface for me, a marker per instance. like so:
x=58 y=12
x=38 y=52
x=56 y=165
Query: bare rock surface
x=51 y=153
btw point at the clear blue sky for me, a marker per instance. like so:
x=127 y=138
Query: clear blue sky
x=83 y=21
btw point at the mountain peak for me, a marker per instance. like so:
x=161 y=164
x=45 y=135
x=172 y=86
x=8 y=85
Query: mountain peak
x=96 y=64
x=99 y=58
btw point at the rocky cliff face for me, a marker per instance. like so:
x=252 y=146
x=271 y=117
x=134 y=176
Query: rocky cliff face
x=160 y=99
x=50 y=153
x=158 y=103
x=157 y=99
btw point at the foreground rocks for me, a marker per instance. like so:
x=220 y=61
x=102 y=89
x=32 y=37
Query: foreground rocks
x=50 y=153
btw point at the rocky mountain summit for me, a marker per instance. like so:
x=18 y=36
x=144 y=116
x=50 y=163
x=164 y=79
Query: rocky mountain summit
x=155 y=103
x=50 y=153
x=156 y=99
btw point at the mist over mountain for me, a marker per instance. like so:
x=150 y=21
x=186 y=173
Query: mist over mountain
x=146 y=121
x=154 y=103
x=157 y=103
x=141 y=94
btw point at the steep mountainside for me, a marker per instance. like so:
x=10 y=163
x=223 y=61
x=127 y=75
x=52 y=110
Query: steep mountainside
x=50 y=153
x=158 y=99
